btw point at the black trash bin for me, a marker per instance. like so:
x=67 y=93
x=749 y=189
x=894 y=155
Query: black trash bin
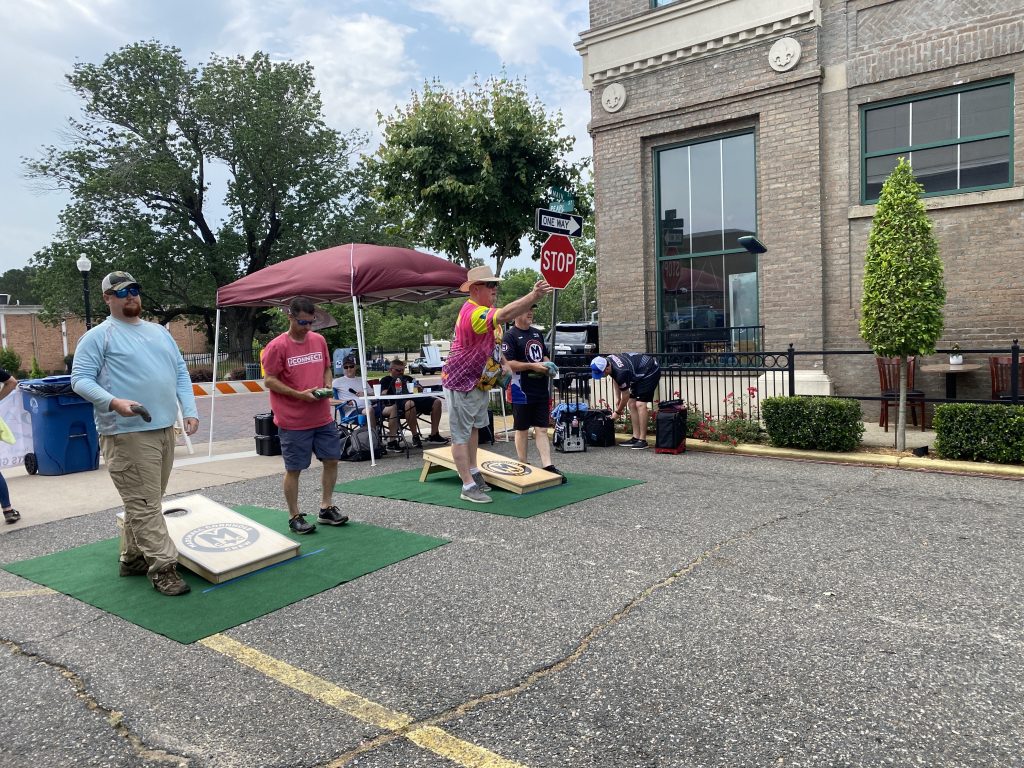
x=63 y=429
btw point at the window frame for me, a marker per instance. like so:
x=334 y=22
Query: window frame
x=957 y=142
x=658 y=235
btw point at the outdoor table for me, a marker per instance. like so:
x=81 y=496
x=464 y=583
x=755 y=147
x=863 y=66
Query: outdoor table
x=951 y=371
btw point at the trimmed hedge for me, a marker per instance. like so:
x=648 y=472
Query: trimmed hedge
x=979 y=432
x=816 y=423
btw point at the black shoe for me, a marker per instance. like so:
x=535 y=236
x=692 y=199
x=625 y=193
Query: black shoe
x=416 y=442
x=393 y=446
x=11 y=516
x=629 y=443
x=437 y=440
x=299 y=525
x=137 y=566
x=639 y=445
x=552 y=468
x=331 y=516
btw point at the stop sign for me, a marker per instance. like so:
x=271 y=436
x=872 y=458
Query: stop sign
x=557 y=261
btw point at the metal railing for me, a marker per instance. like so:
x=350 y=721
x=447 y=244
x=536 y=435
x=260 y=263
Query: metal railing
x=720 y=383
x=690 y=343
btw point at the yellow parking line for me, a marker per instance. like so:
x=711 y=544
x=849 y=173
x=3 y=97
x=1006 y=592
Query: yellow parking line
x=431 y=738
x=29 y=592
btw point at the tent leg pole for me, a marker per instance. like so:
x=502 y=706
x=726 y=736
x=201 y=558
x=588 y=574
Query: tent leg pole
x=213 y=384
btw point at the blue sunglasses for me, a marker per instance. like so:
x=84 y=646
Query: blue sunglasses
x=304 y=322
x=122 y=292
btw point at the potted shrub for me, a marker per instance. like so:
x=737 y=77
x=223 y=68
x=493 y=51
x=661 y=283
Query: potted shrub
x=955 y=358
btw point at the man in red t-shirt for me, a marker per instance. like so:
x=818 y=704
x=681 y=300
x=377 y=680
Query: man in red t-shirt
x=297 y=364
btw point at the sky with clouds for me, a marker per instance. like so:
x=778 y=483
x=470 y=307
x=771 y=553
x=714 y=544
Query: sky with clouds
x=367 y=56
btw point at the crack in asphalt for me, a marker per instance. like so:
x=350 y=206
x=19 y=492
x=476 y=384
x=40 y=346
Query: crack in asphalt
x=540 y=674
x=112 y=717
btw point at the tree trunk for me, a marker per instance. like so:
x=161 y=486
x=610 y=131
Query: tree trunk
x=901 y=422
x=239 y=326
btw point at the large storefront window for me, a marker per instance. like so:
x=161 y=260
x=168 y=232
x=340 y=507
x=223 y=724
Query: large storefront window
x=706 y=195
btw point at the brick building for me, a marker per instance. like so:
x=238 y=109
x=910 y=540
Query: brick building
x=23 y=331
x=714 y=119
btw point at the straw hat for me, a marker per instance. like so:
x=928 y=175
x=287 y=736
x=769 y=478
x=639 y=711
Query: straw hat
x=478 y=275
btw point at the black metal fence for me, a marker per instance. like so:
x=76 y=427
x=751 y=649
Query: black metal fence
x=733 y=383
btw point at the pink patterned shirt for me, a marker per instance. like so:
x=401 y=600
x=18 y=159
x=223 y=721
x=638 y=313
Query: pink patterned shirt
x=473 y=344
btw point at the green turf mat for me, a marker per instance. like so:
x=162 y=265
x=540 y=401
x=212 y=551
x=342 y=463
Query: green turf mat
x=442 y=489
x=327 y=558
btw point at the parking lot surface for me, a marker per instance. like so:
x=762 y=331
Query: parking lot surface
x=729 y=611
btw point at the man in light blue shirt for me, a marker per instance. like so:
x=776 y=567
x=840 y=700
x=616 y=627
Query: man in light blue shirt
x=133 y=374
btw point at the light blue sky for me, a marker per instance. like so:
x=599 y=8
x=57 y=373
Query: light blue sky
x=368 y=56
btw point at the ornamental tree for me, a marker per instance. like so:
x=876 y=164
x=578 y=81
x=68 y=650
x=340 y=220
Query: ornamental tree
x=903 y=295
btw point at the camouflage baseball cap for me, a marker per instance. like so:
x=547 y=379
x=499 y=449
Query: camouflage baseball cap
x=116 y=280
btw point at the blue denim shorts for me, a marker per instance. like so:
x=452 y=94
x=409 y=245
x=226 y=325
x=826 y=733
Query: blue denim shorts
x=299 y=445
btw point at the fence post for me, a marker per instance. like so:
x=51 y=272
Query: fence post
x=791 y=369
x=1014 y=372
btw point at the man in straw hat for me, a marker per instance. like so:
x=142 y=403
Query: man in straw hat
x=473 y=368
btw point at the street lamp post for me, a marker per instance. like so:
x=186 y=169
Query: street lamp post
x=84 y=265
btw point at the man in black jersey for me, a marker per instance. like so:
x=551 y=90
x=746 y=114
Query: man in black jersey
x=524 y=350
x=637 y=376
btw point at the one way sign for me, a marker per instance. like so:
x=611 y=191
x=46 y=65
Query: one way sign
x=559 y=223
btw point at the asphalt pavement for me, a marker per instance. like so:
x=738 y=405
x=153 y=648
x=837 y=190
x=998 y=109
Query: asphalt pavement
x=732 y=610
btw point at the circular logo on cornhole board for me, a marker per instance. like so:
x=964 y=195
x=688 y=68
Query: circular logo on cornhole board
x=505 y=467
x=220 y=537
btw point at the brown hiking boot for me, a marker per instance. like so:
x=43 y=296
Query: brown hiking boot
x=137 y=566
x=168 y=582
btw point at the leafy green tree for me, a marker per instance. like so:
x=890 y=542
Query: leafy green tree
x=18 y=283
x=155 y=138
x=469 y=167
x=904 y=294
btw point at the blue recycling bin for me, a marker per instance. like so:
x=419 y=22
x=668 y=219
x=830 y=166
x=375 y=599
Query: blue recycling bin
x=63 y=429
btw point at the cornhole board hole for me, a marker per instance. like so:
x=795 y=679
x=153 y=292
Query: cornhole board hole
x=496 y=469
x=217 y=543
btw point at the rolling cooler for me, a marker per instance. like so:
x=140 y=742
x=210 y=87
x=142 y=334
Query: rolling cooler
x=569 y=416
x=670 y=423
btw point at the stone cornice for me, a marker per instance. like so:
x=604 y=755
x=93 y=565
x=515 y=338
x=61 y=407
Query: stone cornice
x=685 y=31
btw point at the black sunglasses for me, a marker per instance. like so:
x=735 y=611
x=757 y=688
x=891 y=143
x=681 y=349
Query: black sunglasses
x=122 y=292
x=348 y=366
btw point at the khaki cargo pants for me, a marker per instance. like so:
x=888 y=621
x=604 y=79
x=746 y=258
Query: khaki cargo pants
x=140 y=464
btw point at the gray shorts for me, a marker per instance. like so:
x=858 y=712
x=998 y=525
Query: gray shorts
x=465 y=411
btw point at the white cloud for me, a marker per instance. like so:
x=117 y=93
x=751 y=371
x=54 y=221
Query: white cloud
x=516 y=30
x=360 y=60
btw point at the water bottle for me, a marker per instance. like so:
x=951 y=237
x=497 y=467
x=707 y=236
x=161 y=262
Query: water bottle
x=575 y=426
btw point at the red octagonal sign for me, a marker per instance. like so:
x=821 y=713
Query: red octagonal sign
x=557 y=261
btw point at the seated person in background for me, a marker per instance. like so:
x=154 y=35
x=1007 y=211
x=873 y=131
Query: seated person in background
x=397 y=383
x=348 y=390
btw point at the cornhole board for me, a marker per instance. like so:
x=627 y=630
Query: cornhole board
x=497 y=470
x=219 y=544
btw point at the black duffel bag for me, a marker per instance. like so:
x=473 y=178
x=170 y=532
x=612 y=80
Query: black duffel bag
x=599 y=428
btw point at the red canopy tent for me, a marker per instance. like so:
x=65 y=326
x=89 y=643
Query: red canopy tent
x=362 y=273
x=369 y=273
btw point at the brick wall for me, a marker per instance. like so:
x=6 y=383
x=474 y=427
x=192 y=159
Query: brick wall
x=30 y=337
x=808 y=162
x=893 y=49
x=701 y=99
x=604 y=12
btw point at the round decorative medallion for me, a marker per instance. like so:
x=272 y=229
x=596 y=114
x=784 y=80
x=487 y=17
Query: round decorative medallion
x=613 y=98
x=784 y=54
